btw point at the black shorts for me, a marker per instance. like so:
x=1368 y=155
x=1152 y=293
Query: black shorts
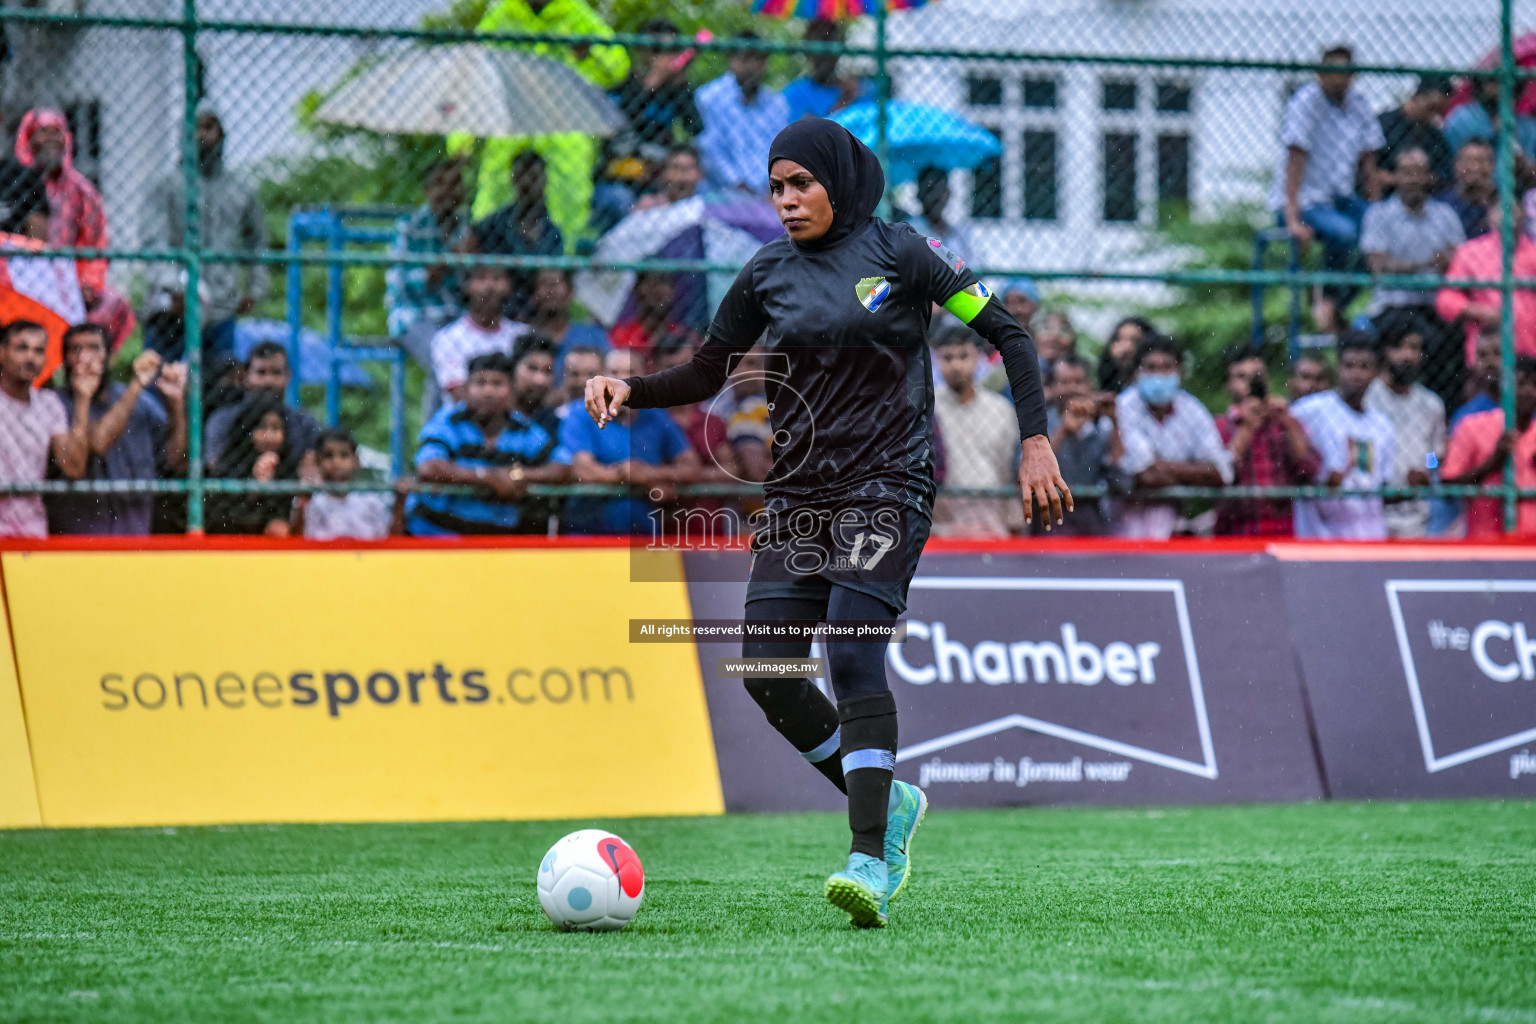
x=872 y=549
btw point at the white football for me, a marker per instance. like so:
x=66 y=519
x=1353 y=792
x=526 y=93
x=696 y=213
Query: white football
x=591 y=881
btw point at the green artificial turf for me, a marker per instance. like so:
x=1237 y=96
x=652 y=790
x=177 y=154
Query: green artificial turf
x=1323 y=912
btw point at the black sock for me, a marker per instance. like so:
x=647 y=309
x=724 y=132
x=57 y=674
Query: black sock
x=799 y=711
x=803 y=715
x=869 y=760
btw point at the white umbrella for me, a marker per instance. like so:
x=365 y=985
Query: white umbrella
x=481 y=90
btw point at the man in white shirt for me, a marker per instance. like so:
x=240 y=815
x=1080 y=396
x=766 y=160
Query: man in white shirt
x=1328 y=134
x=1417 y=416
x=1355 y=445
x=483 y=328
x=981 y=444
x=1169 y=440
x=1409 y=233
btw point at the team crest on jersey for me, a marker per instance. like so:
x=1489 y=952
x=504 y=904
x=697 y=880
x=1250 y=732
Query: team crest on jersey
x=872 y=291
x=946 y=254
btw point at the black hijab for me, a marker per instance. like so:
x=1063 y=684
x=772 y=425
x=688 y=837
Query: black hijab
x=846 y=168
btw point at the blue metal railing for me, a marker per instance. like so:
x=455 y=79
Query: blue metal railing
x=340 y=227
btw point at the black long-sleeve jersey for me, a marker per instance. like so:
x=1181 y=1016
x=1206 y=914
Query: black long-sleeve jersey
x=847 y=370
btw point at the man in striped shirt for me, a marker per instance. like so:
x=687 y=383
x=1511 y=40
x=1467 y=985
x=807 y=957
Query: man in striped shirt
x=484 y=443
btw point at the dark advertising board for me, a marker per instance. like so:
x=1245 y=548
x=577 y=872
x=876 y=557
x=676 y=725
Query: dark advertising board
x=1036 y=679
x=1422 y=675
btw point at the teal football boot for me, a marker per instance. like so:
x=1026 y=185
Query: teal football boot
x=861 y=890
x=907 y=807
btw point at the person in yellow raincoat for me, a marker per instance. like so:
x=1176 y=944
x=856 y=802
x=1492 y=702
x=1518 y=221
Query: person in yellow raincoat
x=568 y=156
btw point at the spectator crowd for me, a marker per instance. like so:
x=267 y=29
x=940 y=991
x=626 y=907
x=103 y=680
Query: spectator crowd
x=1406 y=392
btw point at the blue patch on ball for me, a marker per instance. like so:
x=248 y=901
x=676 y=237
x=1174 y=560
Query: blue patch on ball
x=549 y=862
x=579 y=898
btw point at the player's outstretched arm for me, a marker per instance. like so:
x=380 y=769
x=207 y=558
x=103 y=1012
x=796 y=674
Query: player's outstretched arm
x=738 y=323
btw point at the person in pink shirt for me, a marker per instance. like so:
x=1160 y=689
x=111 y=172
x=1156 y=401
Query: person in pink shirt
x=1481 y=448
x=35 y=428
x=1482 y=258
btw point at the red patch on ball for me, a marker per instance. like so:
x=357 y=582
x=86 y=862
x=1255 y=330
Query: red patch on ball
x=617 y=855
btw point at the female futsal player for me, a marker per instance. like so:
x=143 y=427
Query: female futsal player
x=845 y=300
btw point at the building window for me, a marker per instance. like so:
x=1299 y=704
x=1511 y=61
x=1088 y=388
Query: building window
x=1173 y=168
x=1173 y=97
x=1040 y=175
x=1119 y=94
x=1021 y=105
x=984 y=90
x=1040 y=93
x=1120 y=176
x=987 y=189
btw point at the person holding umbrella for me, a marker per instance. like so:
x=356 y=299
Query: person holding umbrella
x=845 y=300
x=568 y=155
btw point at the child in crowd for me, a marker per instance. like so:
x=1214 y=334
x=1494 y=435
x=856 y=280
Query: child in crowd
x=352 y=515
x=258 y=451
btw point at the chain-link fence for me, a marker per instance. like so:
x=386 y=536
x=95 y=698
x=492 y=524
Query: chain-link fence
x=370 y=253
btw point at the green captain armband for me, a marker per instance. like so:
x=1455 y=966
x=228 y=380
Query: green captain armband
x=968 y=302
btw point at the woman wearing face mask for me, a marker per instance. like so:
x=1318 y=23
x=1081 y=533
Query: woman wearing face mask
x=1117 y=363
x=845 y=299
x=1170 y=440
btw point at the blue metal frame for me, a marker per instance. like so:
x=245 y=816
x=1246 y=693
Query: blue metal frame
x=337 y=227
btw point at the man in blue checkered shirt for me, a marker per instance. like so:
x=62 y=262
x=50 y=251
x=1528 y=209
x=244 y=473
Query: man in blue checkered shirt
x=483 y=442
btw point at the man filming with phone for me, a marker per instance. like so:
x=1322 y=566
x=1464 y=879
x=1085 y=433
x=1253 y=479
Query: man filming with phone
x=1086 y=438
x=1269 y=449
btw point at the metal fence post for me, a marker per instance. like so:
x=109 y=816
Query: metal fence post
x=1507 y=242
x=335 y=300
x=192 y=256
x=882 y=107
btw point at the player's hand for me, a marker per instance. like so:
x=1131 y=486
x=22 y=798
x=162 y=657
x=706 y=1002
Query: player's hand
x=1040 y=480
x=604 y=397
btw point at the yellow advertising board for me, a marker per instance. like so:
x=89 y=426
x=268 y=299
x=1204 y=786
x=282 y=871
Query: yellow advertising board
x=18 y=792
x=205 y=687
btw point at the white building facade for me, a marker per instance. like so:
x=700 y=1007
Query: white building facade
x=1092 y=150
